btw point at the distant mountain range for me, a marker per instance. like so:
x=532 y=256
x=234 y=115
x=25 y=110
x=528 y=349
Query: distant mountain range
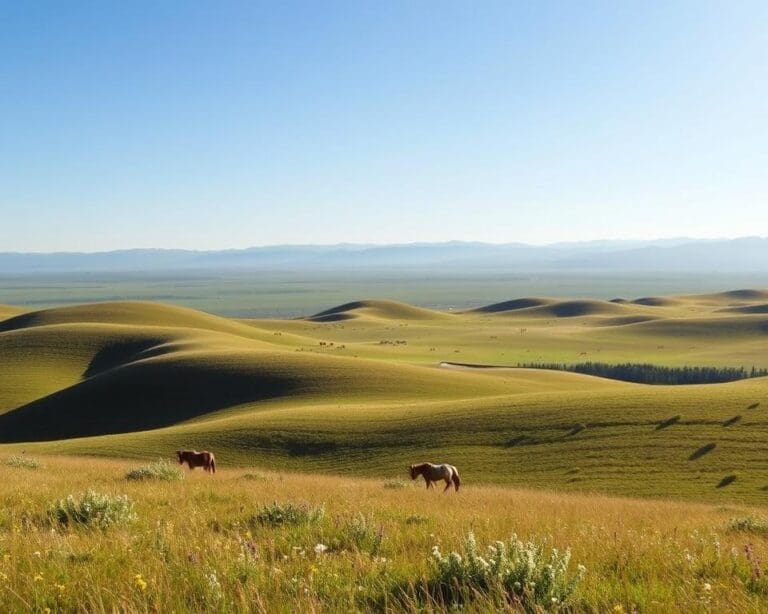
x=747 y=254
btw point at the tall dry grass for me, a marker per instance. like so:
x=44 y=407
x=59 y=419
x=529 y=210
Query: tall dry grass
x=195 y=547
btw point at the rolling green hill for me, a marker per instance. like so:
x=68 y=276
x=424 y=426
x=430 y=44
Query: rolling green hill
x=360 y=389
x=377 y=309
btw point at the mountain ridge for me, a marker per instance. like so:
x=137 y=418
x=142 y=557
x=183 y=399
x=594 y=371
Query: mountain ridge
x=676 y=255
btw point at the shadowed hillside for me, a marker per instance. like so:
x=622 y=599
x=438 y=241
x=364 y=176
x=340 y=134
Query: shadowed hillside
x=747 y=294
x=748 y=326
x=514 y=305
x=551 y=308
x=656 y=301
x=182 y=385
x=750 y=309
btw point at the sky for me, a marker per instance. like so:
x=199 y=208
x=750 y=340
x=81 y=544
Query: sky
x=212 y=125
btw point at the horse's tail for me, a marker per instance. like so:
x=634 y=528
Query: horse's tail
x=456 y=479
x=213 y=464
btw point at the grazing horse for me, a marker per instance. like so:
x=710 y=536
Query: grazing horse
x=433 y=473
x=193 y=458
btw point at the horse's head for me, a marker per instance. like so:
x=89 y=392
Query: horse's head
x=180 y=455
x=414 y=472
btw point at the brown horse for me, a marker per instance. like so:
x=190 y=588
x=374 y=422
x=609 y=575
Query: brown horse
x=433 y=473
x=193 y=458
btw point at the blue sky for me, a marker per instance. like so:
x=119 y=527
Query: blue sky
x=229 y=124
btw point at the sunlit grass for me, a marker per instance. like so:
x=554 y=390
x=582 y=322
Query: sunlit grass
x=191 y=547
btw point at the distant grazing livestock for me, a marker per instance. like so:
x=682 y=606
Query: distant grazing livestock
x=193 y=458
x=433 y=473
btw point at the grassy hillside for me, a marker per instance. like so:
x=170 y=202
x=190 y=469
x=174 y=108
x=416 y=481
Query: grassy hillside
x=363 y=393
x=207 y=543
x=376 y=309
x=6 y=311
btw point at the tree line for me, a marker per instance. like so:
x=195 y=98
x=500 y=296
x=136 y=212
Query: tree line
x=646 y=373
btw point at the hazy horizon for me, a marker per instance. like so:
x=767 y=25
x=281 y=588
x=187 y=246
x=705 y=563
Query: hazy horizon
x=370 y=244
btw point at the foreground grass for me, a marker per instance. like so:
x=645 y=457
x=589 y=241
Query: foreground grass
x=199 y=544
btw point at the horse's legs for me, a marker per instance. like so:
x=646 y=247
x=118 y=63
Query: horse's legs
x=429 y=484
x=447 y=484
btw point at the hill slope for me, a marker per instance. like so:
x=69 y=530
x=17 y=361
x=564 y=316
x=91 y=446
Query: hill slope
x=376 y=308
x=366 y=394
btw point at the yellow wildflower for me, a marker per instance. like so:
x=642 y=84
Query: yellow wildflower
x=140 y=583
x=38 y=578
x=618 y=609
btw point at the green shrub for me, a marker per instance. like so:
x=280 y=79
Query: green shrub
x=749 y=524
x=160 y=470
x=92 y=509
x=23 y=462
x=362 y=534
x=522 y=571
x=277 y=514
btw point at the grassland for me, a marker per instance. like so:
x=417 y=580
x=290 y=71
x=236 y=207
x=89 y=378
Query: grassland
x=359 y=389
x=296 y=293
x=194 y=546
x=325 y=412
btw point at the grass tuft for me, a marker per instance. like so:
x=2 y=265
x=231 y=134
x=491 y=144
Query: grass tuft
x=749 y=524
x=278 y=514
x=23 y=462
x=92 y=509
x=523 y=572
x=362 y=534
x=160 y=470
